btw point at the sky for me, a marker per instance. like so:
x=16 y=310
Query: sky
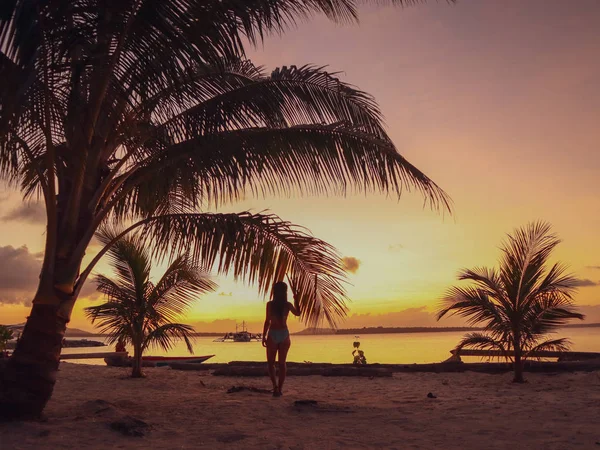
x=497 y=102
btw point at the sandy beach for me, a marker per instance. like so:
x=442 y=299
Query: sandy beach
x=194 y=410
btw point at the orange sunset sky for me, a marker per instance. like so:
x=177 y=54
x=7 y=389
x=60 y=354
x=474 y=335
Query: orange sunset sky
x=497 y=101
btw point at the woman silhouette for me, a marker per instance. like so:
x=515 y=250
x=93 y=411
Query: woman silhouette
x=276 y=336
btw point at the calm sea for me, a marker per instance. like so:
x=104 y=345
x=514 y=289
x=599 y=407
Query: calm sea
x=381 y=348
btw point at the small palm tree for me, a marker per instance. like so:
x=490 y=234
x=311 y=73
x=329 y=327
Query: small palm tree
x=140 y=312
x=521 y=302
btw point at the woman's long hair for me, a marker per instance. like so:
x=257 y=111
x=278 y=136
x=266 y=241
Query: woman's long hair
x=279 y=299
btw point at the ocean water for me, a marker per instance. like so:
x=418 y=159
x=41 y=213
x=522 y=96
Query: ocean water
x=378 y=348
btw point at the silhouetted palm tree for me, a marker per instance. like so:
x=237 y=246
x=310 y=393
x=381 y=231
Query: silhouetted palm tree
x=142 y=111
x=519 y=303
x=138 y=311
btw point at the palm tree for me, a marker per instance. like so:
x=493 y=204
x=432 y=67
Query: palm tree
x=144 y=111
x=138 y=311
x=519 y=303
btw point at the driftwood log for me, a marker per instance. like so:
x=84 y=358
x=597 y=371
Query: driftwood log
x=561 y=356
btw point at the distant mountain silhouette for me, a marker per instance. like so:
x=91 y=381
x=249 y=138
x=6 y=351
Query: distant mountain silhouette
x=312 y=331
x=71 y=332
x=389 y=330
x=76 y=332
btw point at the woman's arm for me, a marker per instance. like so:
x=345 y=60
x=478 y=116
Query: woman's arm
x=295 y=308
x=266 y=326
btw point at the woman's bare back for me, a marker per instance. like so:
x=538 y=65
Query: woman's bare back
x=276 y=322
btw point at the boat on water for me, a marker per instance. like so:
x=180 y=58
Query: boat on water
x=241 y=335
x=155 y=361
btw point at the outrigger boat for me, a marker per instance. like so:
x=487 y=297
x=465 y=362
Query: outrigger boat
x=155 y=361
x=161 y=361
x=240 y=335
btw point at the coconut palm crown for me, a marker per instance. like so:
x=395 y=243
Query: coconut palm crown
x=519 y=303
x=140 y=312
x=147 y=112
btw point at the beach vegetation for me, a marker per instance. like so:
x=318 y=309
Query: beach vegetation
x=139 y=312
x=519 y=303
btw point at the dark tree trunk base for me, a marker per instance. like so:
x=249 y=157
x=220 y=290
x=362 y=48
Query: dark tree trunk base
x=28 y=377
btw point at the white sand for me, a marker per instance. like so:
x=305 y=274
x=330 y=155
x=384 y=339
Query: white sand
x=193 y=410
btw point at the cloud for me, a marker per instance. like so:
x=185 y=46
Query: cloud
x=420 y=316
x=593 y=267
x=19 y=274
x=32 y=213
x=89 y=292
x=395 y=247
x=225 y=294
x=584 y=282
x=591 y=313
x=351 y=264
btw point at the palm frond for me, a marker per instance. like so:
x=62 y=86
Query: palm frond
x=475 y=305
x=487 y=279
x=290 y=96
x=257 y=248
x=549 y=312
x=130 y=260
x=165 y=336
x=122 y=292
x=178 y=288
x=115 y=319
x=481 y=341
x=556 y=282
x=525 y=254
x=313 y=159
x=553 y=345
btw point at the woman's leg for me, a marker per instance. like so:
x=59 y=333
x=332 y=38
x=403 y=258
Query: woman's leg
x=271 y=355
x=283 y=351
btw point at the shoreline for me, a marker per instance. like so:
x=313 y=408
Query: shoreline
x=193 y=410
x=354 y=331
x=258 y=368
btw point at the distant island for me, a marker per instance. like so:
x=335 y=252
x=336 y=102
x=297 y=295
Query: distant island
x=76 y=332
x=71 y=332
x=383 y=330
x=80 y=333
x=390 y=330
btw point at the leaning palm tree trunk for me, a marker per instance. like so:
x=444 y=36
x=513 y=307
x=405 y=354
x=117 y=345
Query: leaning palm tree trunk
x=518 y=360
x=143 y=111
x=29 y=376
x=136 y=371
